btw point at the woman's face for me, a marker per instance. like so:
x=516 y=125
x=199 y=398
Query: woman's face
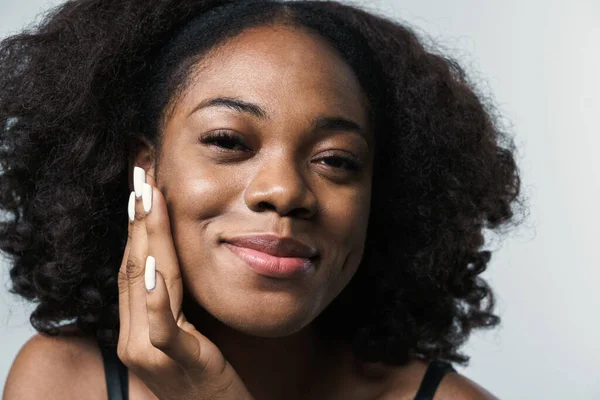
x=289 y=169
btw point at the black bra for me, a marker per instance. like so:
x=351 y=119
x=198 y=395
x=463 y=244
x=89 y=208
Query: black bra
x=434 y=374
x=118 y=386
x=117 y=383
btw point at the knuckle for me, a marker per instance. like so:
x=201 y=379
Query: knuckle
x=161 y=338
x=134 y=267
x=121 y=353
x=174 y=282
x=132 y=357
x=122 y=281
x=197 y=355
x=225 y=387
x=139 y=215
x=205 y=365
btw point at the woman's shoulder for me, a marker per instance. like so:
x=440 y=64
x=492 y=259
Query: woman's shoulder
x=51 y=367
x=70 y=366
x=405 y=382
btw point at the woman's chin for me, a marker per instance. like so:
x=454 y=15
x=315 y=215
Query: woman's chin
x=267 y=330
x=255 y=311
x=268 y=322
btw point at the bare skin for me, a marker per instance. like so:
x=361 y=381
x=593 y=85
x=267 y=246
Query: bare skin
x=279 y=174
x=70 y=367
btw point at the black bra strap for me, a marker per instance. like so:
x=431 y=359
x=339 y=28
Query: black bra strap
x=434 y=374
x=115 y=371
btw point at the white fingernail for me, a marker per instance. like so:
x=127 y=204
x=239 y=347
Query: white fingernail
x=139 y=178
x=147 y=197
x=131 y=206
x=150 y=273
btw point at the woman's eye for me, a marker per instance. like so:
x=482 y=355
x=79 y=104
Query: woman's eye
x=341 y=163
x=224 y=140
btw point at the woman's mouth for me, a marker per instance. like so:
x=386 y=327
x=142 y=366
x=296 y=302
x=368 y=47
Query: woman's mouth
x=273 y=266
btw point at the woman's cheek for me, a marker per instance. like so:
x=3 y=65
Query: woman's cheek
x=200 y=191
x=348 y=211
x=198 y=199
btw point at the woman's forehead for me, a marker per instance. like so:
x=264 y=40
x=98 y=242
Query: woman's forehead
x=280 y=67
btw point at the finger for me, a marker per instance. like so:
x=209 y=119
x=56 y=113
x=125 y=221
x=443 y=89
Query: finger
x=150 y=180
x=138 y=318
x=161 y=246
x=122 y=281
x=164 y=334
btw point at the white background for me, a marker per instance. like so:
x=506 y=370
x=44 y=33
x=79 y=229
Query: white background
x=540 y=60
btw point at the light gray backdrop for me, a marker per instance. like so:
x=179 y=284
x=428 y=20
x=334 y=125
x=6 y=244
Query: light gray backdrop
x=540 y=60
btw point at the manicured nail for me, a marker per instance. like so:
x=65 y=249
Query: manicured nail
x=147 y=197
x=131 y=207
x=139 y=178
x=150 y=273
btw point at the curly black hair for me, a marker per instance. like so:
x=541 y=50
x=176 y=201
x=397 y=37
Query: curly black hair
x=76 y=86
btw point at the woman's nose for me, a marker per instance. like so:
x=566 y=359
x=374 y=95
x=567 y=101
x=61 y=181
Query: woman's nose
x=280 y=187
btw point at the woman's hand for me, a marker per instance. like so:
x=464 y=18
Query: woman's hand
x=155 y=340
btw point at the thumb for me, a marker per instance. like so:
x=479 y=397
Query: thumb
x=195 y=353
x=164 y=334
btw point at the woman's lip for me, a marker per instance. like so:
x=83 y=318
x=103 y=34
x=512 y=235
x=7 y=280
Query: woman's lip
x=268 y=265
x=274 y=245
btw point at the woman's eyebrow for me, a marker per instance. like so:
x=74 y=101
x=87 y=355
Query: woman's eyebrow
x=233 y=104
x=323 y=123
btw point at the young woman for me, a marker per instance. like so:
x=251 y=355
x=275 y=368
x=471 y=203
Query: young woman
x=245 y=200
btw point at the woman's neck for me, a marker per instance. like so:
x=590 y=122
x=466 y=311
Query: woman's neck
x=273 y=368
